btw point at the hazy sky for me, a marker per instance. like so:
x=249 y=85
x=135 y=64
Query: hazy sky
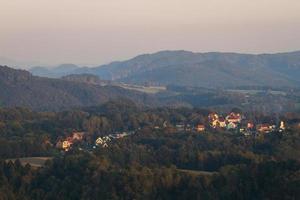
x=100 y=31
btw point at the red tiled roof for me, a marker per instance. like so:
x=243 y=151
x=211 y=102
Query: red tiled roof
x=221 y=119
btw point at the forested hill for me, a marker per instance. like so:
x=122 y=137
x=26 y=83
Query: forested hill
x=20 y=88
x=201 y=69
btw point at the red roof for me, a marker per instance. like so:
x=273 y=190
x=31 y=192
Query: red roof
x=221 y=119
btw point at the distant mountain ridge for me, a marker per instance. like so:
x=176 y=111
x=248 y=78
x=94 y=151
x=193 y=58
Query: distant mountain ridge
x=186 y=68
x=56 y=72
x=18 y=64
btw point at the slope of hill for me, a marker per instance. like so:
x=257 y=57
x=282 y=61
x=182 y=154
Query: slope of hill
x=86 y=78
x=20 y=88
x=203 y=69
x=207 y=70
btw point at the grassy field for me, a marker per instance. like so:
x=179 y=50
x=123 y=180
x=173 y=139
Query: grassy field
x=197 y=173
x=149 y=90
x=33 y=161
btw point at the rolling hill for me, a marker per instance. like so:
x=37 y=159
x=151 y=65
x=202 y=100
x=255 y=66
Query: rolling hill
x=212 y=70
x=20 y=88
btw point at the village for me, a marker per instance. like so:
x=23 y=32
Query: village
x=233 y=122
x=237 y=123
x=102 y=141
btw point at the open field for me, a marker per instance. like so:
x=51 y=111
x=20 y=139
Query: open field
x=149 y=90
x=197 y=173
x=33 y=161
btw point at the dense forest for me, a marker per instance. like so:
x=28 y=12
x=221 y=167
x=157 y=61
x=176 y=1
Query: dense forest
x=156 y=162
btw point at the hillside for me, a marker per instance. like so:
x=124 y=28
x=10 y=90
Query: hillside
x=86 y=78
x=20 y=88
x=203 y=69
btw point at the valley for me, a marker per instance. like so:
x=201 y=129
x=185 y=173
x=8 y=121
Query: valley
x=149 y=100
